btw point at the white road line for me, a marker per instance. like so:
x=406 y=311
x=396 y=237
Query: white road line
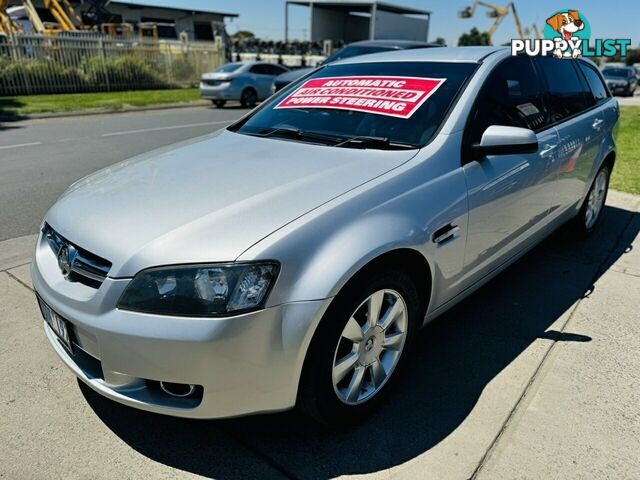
x=20 y=145
x=172 y=127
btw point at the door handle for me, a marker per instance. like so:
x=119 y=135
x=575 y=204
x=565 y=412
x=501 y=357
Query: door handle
x=445 y=233
x=547 y=149
x=597 y=123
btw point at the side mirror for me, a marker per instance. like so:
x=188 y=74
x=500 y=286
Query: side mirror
x=501 y=140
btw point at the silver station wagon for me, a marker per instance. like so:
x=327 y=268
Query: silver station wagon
x=289 y=259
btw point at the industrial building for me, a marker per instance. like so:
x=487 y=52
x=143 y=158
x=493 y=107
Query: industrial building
x=192 y=17
x=353 y=20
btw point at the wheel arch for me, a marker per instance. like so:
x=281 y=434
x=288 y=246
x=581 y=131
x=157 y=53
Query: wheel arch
x=408 y=259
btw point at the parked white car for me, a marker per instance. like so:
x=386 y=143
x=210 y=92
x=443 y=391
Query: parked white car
x=248 y=83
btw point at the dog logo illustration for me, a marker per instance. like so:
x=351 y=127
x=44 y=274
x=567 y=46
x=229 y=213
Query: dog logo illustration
x=568 y=26
x=567 y=34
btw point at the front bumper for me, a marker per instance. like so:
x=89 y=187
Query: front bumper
x=619 y=88
x=245 y=364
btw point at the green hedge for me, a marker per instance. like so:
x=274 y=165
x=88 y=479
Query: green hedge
x=126 y=72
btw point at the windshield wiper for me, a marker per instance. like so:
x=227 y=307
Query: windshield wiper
x=365 y=141
x=291 y=132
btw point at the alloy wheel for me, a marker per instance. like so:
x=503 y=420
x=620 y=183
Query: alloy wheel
x=370 y=347
x=596 y=199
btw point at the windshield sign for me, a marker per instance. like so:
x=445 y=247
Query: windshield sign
x=394 y=96
x=378 y=105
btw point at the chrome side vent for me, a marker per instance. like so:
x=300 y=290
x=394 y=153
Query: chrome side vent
x=87 y=267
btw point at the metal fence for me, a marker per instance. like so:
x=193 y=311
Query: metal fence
x=36 y=64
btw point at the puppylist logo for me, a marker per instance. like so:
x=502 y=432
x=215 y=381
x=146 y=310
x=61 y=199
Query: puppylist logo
x=567 y=34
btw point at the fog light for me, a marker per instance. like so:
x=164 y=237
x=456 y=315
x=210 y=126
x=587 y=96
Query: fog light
x=177 y=389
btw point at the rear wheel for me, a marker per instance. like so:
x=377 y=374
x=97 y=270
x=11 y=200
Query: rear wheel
x=593 y=206
x=359 y=349
x=249 y=98
x=219 y=103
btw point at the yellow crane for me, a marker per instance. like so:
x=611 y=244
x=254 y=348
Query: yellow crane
x=7 y=25
x=499 y=13
x=67 y=18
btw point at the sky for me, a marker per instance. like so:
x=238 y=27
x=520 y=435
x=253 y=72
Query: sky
x=608 y=18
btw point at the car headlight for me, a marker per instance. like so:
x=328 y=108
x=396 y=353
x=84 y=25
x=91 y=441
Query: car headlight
x=200 y=290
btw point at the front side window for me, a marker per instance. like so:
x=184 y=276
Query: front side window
x=511 y=96
x=567 y=93
x=346 y=118
x=598 y=87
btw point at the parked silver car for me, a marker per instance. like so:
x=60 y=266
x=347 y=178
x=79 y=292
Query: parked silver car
x=290 y=258
x=248 y=83
x=621 y=80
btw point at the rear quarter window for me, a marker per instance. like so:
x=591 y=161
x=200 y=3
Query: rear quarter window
x=598 y=88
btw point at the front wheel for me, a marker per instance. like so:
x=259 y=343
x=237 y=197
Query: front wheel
x=359 y=349
x=593 y=206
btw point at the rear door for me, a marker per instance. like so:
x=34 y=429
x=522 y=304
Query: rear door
x=509 y=195
x=262 y=79
x=580 y=126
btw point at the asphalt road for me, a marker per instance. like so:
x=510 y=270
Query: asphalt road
x=39 y=159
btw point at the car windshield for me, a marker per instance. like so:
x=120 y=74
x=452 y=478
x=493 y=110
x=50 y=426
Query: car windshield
x=370 y=105
x=228 y=68
x=354 y=51
x=616 y=72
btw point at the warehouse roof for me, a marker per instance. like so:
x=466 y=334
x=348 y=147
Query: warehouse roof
x=356 y=5
x=193 y=6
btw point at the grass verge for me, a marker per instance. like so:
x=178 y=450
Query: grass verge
x=626 y=175
x=73 y=102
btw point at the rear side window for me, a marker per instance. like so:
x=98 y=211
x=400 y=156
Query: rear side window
x=511 y=96
x=595 y=82
x=568 y=94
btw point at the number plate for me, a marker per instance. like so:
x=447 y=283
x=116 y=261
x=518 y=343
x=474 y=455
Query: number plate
x=59 y=325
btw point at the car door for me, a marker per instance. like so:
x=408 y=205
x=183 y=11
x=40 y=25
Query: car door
x=509 y=196
x=262 y=80
x=580 y=125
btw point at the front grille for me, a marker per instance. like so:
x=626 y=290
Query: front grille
x=212 y=83
x=90 y=268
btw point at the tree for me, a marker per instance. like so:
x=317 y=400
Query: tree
x=474 y=37
x=242 y=35
x=440 y=41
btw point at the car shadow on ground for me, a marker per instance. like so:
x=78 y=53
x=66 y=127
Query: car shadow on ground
x=230 y=106
x=7 y=114
x=457 y=356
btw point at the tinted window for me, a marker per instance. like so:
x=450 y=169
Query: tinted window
x=567 y=93
x=617 y=72
x=260 y=69
x=417 y=130
x=274 y=70
x=228 y=68
x=354 y=51
x=511 y=96
x=595 y=82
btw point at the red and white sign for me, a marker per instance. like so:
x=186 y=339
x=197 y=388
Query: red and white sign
x=393 y=96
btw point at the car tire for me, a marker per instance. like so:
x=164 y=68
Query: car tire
x=338 y=396
x=219 y=103
x=249 y=98
x=593 y=206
